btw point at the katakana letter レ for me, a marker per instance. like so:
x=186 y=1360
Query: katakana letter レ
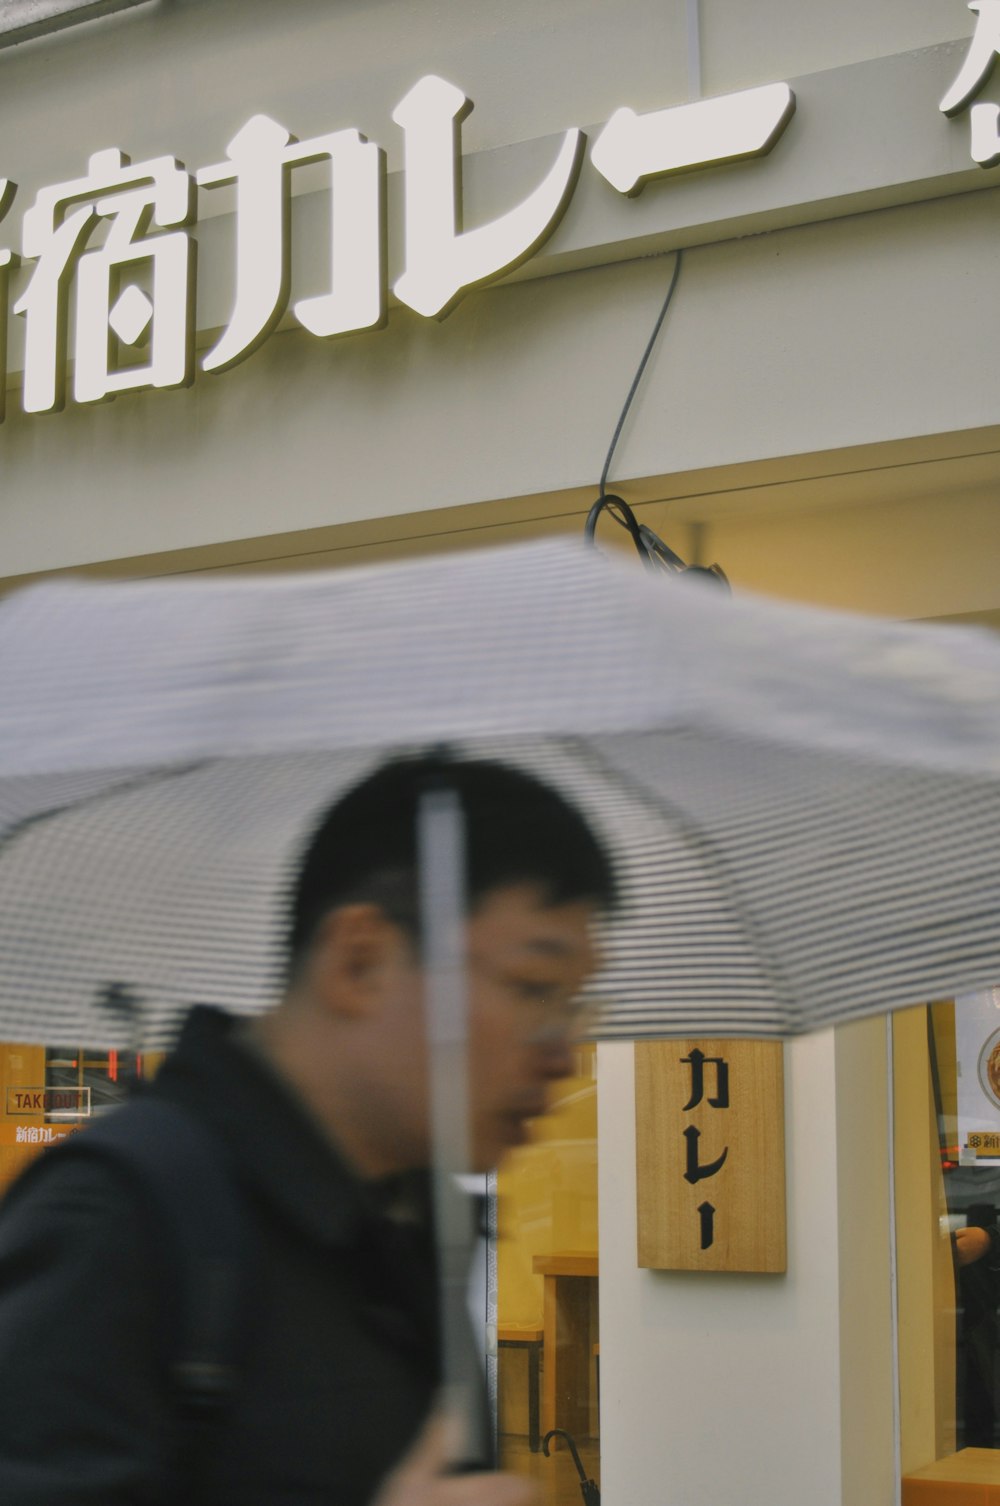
x=974 y=73
x=132 y=198
x=260 y=158
x=696 y=1170
x=442 y=261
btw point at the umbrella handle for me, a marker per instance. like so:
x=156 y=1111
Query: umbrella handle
x=562 y=1433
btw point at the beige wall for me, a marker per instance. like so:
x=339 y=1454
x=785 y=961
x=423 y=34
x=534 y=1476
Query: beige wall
x=767 y=1390
x=184 y=75
x=747 y=44
x=801 y=341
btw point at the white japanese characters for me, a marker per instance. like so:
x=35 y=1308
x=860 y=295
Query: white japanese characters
x=634 y=148
x=110 y=298
x=31 y=1134
x=984 y=118
x=260 y=159
x=441 y=263
x=158 y=192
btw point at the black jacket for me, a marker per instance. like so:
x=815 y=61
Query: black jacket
x=341 y=1350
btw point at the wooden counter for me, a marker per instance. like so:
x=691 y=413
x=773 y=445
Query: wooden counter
x=569 y=1318
x=969 y=1478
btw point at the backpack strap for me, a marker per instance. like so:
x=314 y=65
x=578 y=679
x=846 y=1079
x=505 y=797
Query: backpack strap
x=179 y=1174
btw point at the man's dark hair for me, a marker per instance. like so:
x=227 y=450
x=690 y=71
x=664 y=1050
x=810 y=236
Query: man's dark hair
x=517 y=831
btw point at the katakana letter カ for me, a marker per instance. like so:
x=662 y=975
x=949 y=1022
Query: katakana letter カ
x=259 y=161
x=974 y=73
x=441 y=260
x=697 y=1061
x=112 y=309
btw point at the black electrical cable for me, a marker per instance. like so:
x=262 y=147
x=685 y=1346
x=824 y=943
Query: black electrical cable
x=638 y=376
x=618 y=509
x=651 y=549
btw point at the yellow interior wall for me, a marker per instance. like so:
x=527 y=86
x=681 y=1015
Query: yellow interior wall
x=946 y=1046
x=21 y=1066
x=908 y=556
x=547 y=1193
x=925 y=1279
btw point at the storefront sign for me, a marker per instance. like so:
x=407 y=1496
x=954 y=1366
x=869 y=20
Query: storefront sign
x=115 y=244
x=34 y=1134
x=984 y=118
x=23 y=19
x=710 y=1155
x=977 y=1051
x=55 y=1102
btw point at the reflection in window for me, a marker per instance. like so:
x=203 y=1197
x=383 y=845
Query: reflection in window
x=50 y=1092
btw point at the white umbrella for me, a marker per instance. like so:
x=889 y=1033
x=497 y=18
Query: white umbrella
x=805 y=806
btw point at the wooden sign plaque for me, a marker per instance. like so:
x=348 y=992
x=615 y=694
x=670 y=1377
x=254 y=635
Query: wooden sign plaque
x=710 y=1155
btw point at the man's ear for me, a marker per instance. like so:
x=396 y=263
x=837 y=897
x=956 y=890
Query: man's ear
x=350 y=951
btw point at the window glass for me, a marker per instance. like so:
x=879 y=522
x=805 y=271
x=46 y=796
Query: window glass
x=548 y=1346
x=49 y=1092
x=946 y=1061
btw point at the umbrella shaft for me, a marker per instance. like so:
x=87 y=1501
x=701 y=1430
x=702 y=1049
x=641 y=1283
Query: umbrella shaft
x=441 y=848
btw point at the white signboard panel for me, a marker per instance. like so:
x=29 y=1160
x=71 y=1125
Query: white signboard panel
x=977 y=1041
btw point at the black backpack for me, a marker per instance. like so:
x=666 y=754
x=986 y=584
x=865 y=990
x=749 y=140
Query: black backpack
x=200 y=1227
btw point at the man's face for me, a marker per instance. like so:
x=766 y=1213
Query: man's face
x=527 y=962
x=365 y=1063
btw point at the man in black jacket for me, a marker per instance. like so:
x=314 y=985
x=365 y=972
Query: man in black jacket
x=319 y=1114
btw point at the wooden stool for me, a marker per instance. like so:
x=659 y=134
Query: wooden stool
x=510 y=1337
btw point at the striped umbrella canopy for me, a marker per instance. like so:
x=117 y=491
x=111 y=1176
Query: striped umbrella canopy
x=804 y=806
